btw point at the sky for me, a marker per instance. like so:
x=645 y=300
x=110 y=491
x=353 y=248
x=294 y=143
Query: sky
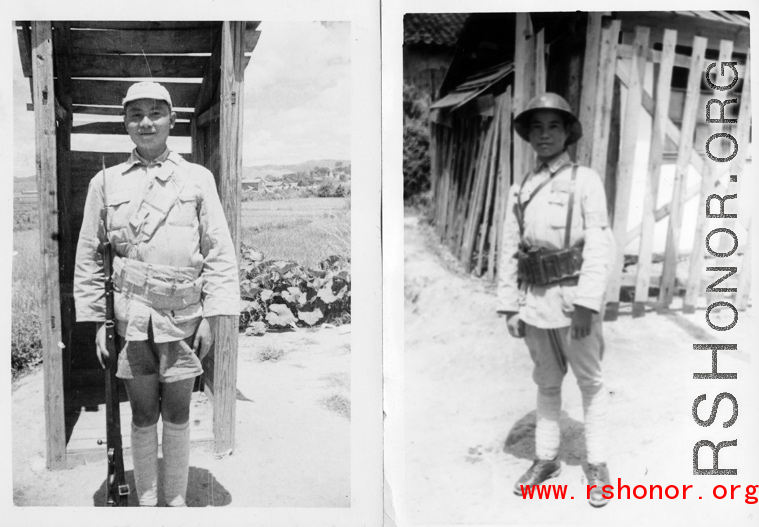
x=297 y=100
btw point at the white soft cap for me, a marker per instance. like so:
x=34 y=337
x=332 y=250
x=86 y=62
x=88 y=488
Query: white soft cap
x=147 y=90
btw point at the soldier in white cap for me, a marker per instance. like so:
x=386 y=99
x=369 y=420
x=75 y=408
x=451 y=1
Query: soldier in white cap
x=557 y=253
x=174 y=269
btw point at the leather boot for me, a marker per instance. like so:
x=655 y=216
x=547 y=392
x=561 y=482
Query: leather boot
x=598 y=475
x=540 y=471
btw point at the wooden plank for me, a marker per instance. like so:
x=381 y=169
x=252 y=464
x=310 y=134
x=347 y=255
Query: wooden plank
x=742 y=135
x=589 y=83
x=209 y=87
x=47 y=191
x=743 y=294
x=540 y=62
x=230 y=190
x=681 y=60
x=486 y=226
x=170 y=41
x=118 y=110
x=62 y=69
x=697 y=253
x=626 y=167
x=524 y=88
x=23 y=35
x=102 y=92
x=181 y=129
x=651 y=195
x=604 y=97
x=503 y=180
x=89 y=65
x=251 y=41
x=687 y=27
x=669 y=270
x=143 y=25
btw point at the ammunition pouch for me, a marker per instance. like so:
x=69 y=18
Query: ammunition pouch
x=538 y=266
x=163 y=287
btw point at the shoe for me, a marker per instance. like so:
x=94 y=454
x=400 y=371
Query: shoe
x=598 y=475
x=540 y=471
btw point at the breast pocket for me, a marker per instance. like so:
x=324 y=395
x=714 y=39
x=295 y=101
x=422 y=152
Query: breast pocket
x=118 y=209
x=558 y=203
x=185 y=211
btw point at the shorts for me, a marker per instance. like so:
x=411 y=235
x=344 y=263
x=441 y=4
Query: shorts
x=169 y=361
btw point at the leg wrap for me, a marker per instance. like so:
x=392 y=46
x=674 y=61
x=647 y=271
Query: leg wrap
x=145 y=459
x=547 y=430
x=594 y=403
x=176 y=462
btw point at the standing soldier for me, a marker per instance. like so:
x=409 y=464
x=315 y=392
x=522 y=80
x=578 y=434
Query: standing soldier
x=174 y=269
x=557 y=251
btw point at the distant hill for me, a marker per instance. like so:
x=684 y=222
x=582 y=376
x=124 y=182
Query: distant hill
x=262 y=171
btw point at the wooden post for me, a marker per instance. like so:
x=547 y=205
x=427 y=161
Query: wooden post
x=230 y=188
x=668 y=278
x=626 y=166
x=604 y=98
x=47 y=189
x=648 y=222
x=697 y=253
x=540 y=62
x=589 y=82
x=524 y=88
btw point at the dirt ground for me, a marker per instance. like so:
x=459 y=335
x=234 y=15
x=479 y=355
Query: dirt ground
x=292 y=434
x=470 y=401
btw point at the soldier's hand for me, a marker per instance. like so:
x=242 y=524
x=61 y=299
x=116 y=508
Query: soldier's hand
x=581 y=319
x=100 y=346
x=515 y=325
x=203 y=339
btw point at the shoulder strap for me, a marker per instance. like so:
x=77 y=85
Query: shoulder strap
x=570 y=207
x=521 y=207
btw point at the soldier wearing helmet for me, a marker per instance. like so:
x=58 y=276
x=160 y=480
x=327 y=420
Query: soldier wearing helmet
x=556 y=256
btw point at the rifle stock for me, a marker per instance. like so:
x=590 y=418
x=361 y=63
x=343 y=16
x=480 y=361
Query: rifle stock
x=117 y=488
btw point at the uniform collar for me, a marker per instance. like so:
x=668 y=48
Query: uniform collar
x=168 y=155
x=554 y=165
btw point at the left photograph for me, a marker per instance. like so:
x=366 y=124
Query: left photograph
x=181 y=298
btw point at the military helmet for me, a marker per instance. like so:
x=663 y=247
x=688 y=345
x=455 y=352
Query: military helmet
x=548 y=101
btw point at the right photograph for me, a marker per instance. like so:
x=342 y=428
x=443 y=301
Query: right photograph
x=577 y=248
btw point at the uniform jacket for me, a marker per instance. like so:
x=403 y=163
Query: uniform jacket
x=193 y=236
x=545 y=221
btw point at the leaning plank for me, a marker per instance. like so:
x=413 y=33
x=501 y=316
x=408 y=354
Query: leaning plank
x=697 y=253
x=169 y=41
x=626 y=167
x=89 y=65
x=183 y=95
x=524 y=87
x=589 y=86
x=143 y=25
x=24 y=47
x=490 y=189
x=47 y=188
x=742 y=134
x=117 y=128
x=648 y=222
x=604 y=98
x=685 y=148
x=540 y=62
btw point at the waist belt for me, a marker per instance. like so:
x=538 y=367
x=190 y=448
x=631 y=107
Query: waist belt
x=165 y=287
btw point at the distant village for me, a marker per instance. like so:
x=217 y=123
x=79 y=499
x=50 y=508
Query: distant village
x=276 y=179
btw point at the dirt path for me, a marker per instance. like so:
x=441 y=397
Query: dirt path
x=292 y=434
x=470 y=401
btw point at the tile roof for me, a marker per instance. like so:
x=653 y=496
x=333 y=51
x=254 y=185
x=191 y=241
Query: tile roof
x=440 y=29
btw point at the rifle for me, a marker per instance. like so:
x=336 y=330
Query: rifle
x=117 y=490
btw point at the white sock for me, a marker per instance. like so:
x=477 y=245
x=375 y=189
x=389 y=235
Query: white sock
x=145 y=460
x=547 y=429
x=594 y=403
x=176 y=462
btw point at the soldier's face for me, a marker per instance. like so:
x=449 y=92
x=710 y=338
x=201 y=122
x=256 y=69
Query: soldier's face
x=148 y=123
x=547 y=133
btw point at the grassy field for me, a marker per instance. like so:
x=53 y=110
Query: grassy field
x=26 y=347
x=305 y=230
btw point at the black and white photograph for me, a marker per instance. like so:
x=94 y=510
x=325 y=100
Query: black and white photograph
x=183 y=304
x=576 y=266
